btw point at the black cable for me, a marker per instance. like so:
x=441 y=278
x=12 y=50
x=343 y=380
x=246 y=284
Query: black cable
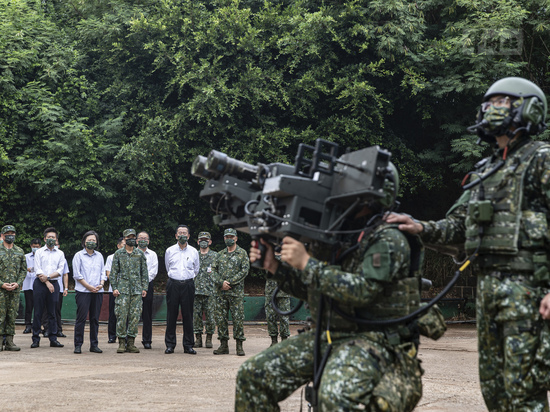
x=482 y=178
x=416 y=313
x=278 y=310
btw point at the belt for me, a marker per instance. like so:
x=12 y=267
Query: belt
x=182 y=281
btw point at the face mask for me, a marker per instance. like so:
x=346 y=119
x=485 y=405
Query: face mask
x=50 y=243
x=130 y=242
x=203 y=244
x=496 y=119
x=182 y=239
x=34 y=249
x=91 y=245
x=143 y=243
x=9 y=239
x=229 y=242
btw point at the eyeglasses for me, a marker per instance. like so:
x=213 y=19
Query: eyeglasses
x=495 y=102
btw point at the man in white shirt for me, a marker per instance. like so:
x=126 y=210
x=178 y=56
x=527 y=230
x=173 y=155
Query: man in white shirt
x=152 y=268
x=182 y=264
x=27 y=285
x=49 y=262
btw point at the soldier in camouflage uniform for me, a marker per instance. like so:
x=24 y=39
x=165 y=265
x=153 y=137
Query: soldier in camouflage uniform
x=502 y=217
x=13 y=269
x=130 y=280
x=230 y=269
x=273 y=318
x=204 y=292
x=369 y=368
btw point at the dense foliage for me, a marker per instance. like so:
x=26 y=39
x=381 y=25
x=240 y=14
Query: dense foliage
x=105 y=103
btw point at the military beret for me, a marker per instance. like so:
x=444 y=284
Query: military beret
x=128 y=232
x=204 y=234
x=230 y=232
x=8 y=228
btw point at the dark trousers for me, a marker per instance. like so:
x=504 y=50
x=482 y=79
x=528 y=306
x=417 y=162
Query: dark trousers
x=147 y=316
x=45 y=315
x=29 y=305
x=87 y=303
x=111 y=327
x=58 y=312
x=179 y=294
x=44 y=298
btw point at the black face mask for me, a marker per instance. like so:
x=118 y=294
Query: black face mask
x=130 y=242
x=9 y=239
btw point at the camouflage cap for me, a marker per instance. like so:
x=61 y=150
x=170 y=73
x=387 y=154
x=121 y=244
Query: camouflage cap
x=128 y=232
x=230 y=232
x=204 y=235
x=8 y=228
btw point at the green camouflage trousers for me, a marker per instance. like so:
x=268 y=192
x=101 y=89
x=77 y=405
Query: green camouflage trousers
x=127 y=309
x=235 y=304
x=353 y=379
x=204 y=303
x=508 y=338
x=273 y=317
x=9 y=305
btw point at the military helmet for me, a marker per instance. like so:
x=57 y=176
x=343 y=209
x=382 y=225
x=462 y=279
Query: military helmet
x=527 y=114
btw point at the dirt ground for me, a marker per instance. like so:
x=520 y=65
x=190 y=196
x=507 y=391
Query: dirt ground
x=56 y=379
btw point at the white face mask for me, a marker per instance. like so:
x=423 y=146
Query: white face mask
x=34 y=249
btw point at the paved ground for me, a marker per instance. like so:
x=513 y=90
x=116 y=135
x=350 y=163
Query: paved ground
x=56 y=379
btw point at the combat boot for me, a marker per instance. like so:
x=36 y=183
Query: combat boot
x=208 y=343
x=10 y=345
x=223 y=349
x=273 y=341
x=284 y=338
x=121 y=345
x=240 y=351
x=198 y=340
x=130 y=347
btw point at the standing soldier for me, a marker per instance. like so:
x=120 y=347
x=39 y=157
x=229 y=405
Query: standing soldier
x=283 y=303
x=230 y=269
x=130 y=281
x=204 y=290
x=501 y=220
x=13 y=269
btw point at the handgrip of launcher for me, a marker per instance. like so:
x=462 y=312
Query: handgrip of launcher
x=259 y=263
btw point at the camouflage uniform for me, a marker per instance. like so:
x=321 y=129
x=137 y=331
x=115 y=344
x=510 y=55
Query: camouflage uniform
x=13 y=268
x=130 y=277
x=283 y=303
x=232 y=267
x=512 y=270
x=204 y=291
x=366 y=370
